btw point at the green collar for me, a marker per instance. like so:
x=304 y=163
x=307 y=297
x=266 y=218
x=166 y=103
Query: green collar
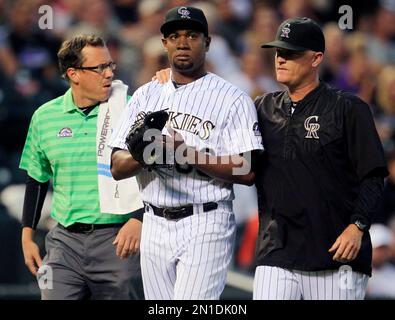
x=69 y=106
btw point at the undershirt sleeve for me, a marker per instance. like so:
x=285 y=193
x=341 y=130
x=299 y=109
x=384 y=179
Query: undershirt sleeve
x=33 y=203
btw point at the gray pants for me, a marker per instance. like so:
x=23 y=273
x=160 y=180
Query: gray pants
x=85 y=266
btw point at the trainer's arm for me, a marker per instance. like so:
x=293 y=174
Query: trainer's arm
x=34 y=199
x=123 y=165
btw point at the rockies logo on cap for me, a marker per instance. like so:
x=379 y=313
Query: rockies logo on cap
x=285 y=31
x=306 y=35
x=184 y=18
x=184 y=12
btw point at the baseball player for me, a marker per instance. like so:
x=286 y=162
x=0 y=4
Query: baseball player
x=65 y=142
x=189 y=227
x=321 y=178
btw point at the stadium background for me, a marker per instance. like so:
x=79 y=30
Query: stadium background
x=360 y=60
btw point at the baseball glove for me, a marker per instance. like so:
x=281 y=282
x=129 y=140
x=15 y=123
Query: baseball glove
x=136 y=142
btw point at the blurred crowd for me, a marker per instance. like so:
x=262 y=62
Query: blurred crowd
x=360 y=60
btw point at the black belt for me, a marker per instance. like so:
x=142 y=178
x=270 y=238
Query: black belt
x=181 y=212
x=88 y=228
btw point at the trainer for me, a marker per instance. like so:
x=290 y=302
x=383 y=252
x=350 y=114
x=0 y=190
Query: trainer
x=66 y=142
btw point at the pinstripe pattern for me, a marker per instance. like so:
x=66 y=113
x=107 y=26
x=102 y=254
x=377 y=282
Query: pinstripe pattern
x=188 y=258
x=208 y=100
x=274 y=283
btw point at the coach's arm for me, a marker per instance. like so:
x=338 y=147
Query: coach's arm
x=123 y=165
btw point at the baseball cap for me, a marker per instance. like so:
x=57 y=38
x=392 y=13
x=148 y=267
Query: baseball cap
x=380 y=235
x=298 y=34
x=184 y=18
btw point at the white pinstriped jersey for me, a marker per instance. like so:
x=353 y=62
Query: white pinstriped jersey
x=208 y=113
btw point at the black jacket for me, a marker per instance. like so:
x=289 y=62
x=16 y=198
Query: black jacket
x=309 y=177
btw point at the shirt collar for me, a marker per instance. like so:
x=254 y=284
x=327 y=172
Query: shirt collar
x=301 y=103
x=69 y=105
x=309 y=96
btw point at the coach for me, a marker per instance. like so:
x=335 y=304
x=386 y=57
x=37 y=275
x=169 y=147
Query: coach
x=320 y=180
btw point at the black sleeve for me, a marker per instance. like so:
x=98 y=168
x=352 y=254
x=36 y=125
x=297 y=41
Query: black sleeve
x=138 y=214
x=256 y=160
x=363 y=143
x=34 y=199
x=370 y=194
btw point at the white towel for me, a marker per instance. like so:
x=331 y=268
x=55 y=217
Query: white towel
x=117 y=197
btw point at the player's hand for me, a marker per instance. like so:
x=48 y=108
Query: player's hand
x=175 y=144
x=128 y=238
x=31 y=254
x=162 y=75
x=173 y=140
x=347 y=245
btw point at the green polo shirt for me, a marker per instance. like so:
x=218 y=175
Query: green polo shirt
x=61 y=144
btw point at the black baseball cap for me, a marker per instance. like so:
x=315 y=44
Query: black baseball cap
x=184 y=18
x=298 y=34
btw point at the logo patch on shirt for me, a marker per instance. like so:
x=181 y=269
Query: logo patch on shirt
x=312 y=127
x=65 y=132
x=255 y=129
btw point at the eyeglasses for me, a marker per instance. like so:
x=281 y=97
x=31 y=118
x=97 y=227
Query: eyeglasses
x=100 y=68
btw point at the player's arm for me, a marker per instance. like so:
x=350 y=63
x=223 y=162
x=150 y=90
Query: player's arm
x=123 y=165
x=234 y=169
x=238 y=137
x=34 y=199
